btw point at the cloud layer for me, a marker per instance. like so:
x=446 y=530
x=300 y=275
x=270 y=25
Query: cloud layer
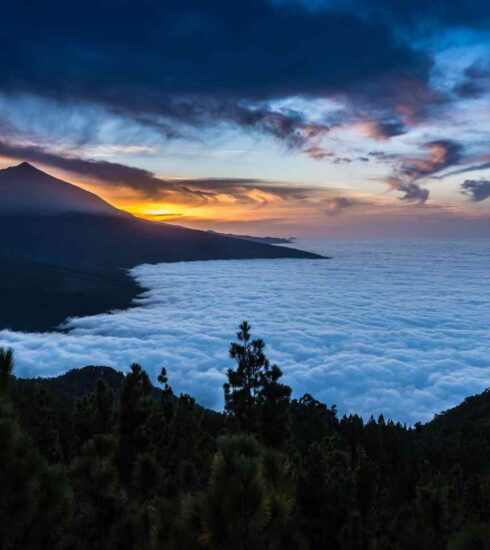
x=477 y=190
x=175 y=66
x=191 y=61
x=408 y=170
x=255 y=89
x=147 y=184
x=399 y=327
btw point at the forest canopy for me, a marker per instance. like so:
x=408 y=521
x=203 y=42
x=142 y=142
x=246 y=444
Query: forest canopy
x=95 y=459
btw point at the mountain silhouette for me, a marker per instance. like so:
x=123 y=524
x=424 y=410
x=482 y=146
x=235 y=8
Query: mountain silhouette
x=65 y=251
x=45 y=219
x=24 y=188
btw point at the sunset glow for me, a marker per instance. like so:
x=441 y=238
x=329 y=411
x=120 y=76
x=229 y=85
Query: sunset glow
x=332 y=145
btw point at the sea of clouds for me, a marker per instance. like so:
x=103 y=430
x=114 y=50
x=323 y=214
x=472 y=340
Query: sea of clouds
x=398 y=327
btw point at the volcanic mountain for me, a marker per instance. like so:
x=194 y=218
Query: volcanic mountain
x=62 y=250
x=24 y=189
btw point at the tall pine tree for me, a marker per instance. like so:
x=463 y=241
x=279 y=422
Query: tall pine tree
x=254 y=397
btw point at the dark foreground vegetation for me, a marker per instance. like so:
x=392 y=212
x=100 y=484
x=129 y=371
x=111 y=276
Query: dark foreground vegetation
x=98 y=460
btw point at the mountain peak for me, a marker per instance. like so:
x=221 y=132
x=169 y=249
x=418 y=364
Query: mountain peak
x=25 y=188
x=25 y=165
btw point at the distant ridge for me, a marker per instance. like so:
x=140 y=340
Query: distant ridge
x=267 y=240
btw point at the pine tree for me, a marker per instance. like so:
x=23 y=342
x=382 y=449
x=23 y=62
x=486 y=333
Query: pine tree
x=99 y=500
x=45 y=428
x=243 y=386
x=168 y=396
x=6 y=368
x=274 y=408
x=250 y=500
x=35 y=498
x=103 y=406
x=254 y=397
x=135 y=409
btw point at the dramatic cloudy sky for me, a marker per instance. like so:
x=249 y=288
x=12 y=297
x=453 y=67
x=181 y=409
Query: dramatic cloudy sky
x=305 y=117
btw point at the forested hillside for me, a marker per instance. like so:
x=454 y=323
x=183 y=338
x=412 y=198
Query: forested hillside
x=95 y=459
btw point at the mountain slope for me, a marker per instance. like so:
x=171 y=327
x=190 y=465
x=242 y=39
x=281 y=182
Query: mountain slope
x=474 y=410
x=45 y=219
x=24 y=189
x=63 y=250
x=37 y=296
x=88 y=241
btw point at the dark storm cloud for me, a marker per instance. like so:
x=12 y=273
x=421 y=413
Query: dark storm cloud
x=168 y=64
x=388 y=129
x=201 y=190
x=477 y=190
x=109 y=173
x=407 y=171
x=172 y=116
x=475 y=82
x=217 y=48
x=425 y=16
x=289 y=126
x=413 y=192
x=410 y=191
x=441 y=154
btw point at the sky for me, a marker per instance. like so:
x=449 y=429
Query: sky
x=268 y=117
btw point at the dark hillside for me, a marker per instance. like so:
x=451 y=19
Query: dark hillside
x=76 y=383
x=63 y=250
x=98 y=242
x=36 y=296
x=475 y=410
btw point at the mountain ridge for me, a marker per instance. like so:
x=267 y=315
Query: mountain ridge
x=80 y=256
x=45 y=219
